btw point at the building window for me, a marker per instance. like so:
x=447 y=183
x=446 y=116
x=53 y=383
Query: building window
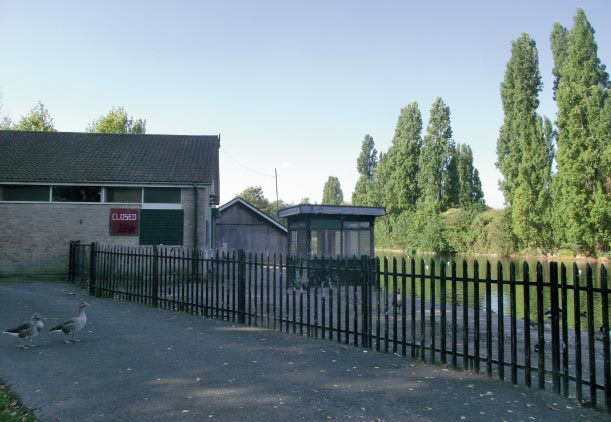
x=124 y=195
x=357 y=238
x=77 y=193
x=364 y=242
x=325 y=243
x=24 y=193
x=162 y=195
x=293 y=245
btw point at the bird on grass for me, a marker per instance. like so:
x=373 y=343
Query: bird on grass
x=73 y=325
x=27 y=331
x=548 y=314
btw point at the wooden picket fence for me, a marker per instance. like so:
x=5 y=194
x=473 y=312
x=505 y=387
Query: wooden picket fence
x=438 y=315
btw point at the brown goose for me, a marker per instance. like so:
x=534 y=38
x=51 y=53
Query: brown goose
x=27 y=331
x=73 y=325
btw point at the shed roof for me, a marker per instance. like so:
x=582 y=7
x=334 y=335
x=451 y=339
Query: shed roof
x=70 y=157
x=254 y=210
x=328 y=210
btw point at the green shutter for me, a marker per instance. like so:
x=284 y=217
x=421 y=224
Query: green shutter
x=161 y=227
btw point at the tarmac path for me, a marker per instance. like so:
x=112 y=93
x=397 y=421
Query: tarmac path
x=136 y=363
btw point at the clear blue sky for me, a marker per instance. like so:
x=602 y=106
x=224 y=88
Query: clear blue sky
x=288 y=84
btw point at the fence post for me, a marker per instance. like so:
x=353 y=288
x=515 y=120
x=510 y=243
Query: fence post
x=155 y=275
x=364 y=301
x=71 y=262
x=242 y=286
x=92 y=269
x=553 y=273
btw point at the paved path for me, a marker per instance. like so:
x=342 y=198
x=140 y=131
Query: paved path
x=142 y=364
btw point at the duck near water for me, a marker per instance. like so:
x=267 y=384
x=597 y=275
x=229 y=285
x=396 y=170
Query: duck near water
x=73 y=325
x=27 y=331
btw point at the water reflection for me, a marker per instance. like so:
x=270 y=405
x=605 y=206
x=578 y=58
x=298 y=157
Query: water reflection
x=434 y=262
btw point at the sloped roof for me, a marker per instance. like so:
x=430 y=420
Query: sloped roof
x=71 y=157
x=254 y=210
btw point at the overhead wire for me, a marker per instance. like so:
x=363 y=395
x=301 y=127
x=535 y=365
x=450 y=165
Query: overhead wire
x=247 y=167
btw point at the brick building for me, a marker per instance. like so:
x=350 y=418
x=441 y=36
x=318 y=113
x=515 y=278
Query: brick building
x=128 y=189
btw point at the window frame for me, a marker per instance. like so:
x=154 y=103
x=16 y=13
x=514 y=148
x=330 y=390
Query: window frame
x=103 y=200
x=21 y=201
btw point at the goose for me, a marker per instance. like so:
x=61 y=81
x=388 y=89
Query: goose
x=600 y=335
x=398 y=300
x=73 y=325
x=27 y=331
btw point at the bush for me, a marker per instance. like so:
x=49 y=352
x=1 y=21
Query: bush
x=492 y=233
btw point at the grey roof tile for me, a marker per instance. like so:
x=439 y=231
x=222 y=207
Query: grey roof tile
x=96 y=157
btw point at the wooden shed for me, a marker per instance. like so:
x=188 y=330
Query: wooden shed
x=241 y=225
x=331 y=230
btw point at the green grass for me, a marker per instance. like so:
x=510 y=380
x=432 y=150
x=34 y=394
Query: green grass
x=10 y=408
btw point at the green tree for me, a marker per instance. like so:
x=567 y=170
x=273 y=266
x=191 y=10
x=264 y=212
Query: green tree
x=470 y=193
x=437 y=175
x=305 y=200
x=117 y=121
x=254 y=196
x=362 y=191
x=400 y=191
x=365 y=164
x=332 y=192
x=38 y=119
x=450 y=178
x=525 y=148
x=559 y=40
x=584 y=143
x=367 y=159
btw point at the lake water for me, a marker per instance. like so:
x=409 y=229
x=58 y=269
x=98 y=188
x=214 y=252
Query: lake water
x=438 y=260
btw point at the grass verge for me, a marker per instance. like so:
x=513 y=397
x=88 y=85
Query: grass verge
x=11 y=409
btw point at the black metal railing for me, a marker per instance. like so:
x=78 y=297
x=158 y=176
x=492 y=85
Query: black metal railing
x=553 y=326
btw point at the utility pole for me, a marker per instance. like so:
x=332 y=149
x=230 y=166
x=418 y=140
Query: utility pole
x=277 y=201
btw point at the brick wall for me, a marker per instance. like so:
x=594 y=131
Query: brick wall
x=34 y=238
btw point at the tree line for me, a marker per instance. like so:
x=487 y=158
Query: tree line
x=432 y=191
x=39 y=119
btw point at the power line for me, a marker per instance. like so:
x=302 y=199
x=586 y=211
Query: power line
x=246 y=167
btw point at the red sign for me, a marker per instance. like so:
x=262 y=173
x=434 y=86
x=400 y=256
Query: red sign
x=124 y=222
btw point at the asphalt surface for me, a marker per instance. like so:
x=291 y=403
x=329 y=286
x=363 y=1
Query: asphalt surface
x=136 y=363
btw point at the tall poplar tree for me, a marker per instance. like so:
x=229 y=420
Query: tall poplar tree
x=437 y=173
x=559 y=41
x=401 y=189
x=332 y=192
x=584 y=144
x=365 y=164
x=470 y=193
x=524 y=147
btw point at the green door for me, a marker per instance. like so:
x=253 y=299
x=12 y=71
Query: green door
x=161 y=227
